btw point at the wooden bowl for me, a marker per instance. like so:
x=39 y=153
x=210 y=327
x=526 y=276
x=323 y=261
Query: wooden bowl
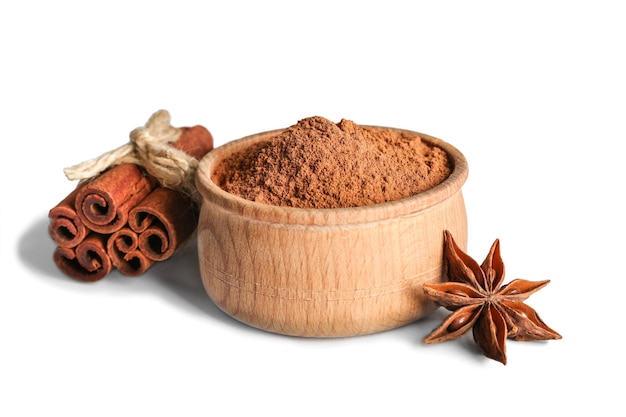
x=325 y=272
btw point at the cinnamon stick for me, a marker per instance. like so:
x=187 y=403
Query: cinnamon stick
x=195 y=141
x=104 y=202
x=123 y=249
x=94 y=228
x=163 y=220
x=88 y=261
x=65 y=227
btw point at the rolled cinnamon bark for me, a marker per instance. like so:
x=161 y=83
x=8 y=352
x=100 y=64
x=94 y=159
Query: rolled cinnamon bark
x=123 y=249
x=195 y=141
x=103 y=203
x=163 y=220
x=86 y=262
x=91 y=225
x=65 y=227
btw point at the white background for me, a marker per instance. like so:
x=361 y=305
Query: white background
x=533 y=93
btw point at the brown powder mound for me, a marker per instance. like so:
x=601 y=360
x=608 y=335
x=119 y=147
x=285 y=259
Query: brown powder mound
x=320 y=164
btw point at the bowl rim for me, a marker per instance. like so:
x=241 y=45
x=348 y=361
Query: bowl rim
x=408 y=206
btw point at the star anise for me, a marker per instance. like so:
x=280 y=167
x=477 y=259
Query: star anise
x=478 y=301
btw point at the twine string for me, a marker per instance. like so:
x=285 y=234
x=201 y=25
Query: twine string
x=149 y=147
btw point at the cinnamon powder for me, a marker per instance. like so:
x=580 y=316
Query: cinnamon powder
x=320 y=164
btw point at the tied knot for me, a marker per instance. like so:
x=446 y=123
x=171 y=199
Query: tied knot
x=151 y=147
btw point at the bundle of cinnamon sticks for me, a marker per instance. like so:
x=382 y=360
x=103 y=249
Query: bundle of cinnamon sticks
x=124 y=218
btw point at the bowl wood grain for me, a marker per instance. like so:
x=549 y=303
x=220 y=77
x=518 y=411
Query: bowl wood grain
x=325 y=272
